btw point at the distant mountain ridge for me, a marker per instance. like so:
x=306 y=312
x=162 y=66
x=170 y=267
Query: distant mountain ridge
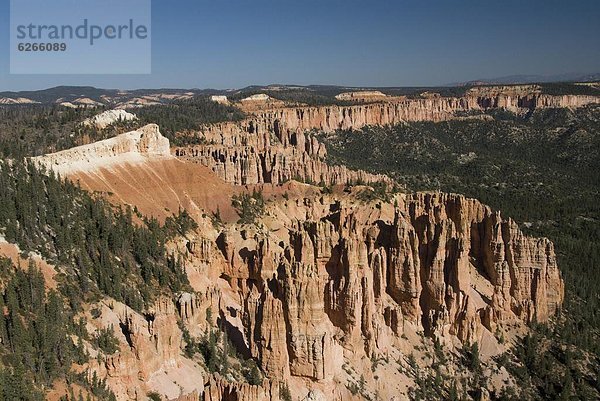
x=83 y=96
x=526 y=79
x=74 y=96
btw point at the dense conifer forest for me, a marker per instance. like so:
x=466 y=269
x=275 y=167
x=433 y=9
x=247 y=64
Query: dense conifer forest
x=183 y=116
x=98 y=249
x=36 y=346
x=33 y=130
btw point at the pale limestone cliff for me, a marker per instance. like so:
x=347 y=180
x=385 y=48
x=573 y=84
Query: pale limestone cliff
x=362 y=96
x=219 y=99
x=19 y=100
x=131 y=147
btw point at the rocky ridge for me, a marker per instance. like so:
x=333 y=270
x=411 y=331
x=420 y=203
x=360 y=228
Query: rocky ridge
x=254 y=152
x=395 y=111
x=275 y=143
x=363 y=96
x=131 y=147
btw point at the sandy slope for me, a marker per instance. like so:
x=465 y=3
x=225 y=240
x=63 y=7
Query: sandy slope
x=159 y=187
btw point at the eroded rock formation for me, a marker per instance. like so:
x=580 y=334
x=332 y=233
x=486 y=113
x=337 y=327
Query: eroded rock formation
x=149 y=356
x=274 y=144
x=319 y=281
x=257 y=153
x=343 y=275
x=218 y=389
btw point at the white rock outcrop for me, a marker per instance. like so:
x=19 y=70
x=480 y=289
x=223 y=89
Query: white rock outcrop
x=19 y=100
x=259 y=97
x=362 y=96
x=109 y=117
x=219 y=99
x=131 y=147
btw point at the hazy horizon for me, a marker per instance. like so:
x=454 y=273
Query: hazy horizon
x=292 y=85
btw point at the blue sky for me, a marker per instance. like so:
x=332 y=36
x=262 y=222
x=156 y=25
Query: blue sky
x=231 y=44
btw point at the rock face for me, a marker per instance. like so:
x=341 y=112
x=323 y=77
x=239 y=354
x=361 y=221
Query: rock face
x=339 y=276
x=218 y=389
x=395 y=111
x=274 y=144
x=109 y=117
x=132 y=147
x=259 y=152
x=462 y=242
x=332 y=277
x=219 y=99
x=150 y=357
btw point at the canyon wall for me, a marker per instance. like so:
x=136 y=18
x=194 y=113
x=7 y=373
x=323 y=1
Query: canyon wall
x=332 y=277
x=275 y=144
x=253 y=152
x=331 y=118
x=320 y=282
x=149 y=356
